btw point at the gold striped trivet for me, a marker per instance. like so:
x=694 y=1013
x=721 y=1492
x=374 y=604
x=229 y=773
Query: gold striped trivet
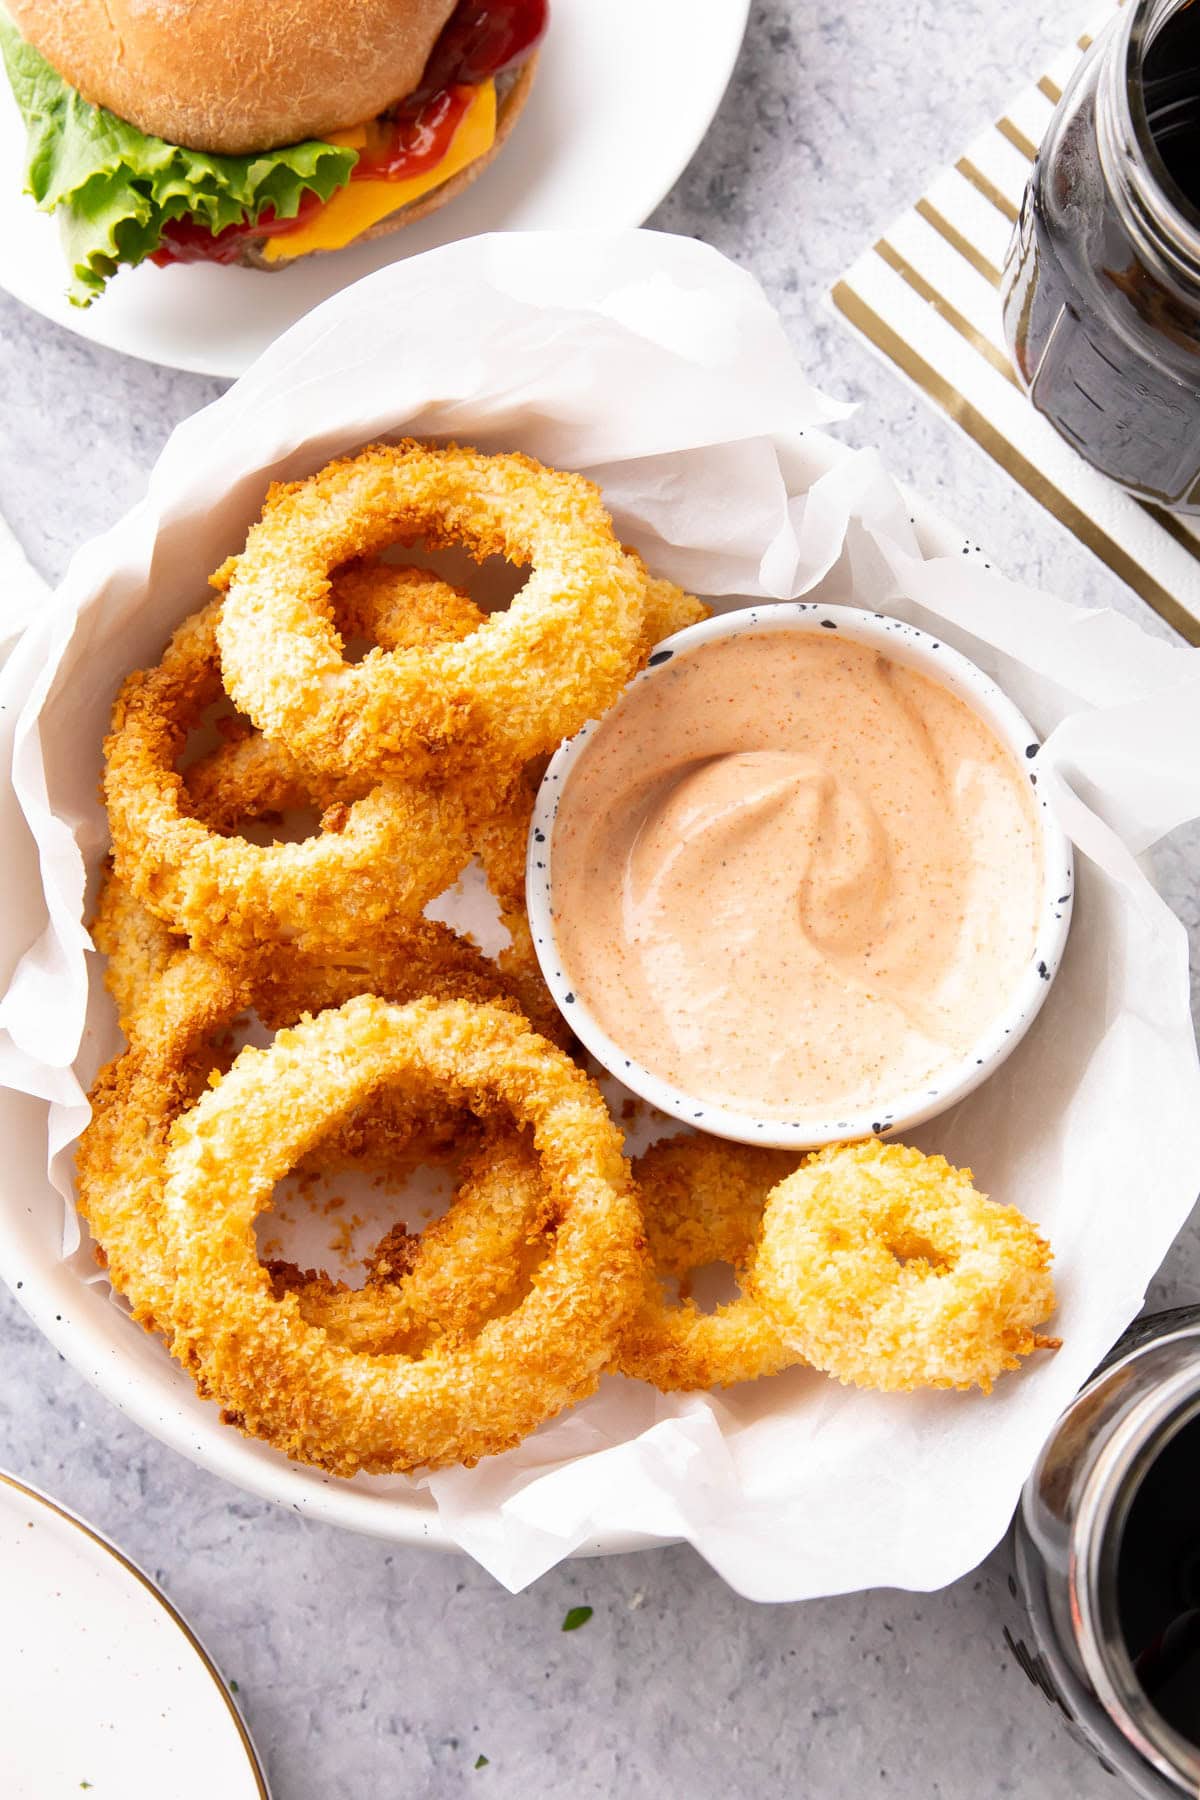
x=927 y=297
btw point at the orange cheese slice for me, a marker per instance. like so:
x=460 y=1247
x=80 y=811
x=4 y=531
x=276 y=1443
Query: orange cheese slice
x=356 y=208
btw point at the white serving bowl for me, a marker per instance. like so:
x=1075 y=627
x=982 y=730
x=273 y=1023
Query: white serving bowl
x=655 y=367
x=889 y=1113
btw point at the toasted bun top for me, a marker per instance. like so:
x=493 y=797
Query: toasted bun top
x=236 y=75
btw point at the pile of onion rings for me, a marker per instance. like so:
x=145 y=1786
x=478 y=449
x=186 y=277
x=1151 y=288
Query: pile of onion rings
x=407 y=729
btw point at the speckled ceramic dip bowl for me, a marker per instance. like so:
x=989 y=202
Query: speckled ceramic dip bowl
x=889 y=1112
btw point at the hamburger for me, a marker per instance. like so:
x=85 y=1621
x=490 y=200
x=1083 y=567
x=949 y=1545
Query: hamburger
x=233 y=131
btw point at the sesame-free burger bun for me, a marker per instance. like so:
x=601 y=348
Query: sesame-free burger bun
x=236 y=76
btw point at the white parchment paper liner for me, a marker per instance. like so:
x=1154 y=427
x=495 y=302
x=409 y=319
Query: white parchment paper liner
x=23 y=593
x=658 y=368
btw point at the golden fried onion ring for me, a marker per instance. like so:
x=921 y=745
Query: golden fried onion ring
x=282 y=1380
x=668 y=608
x=528 y=677
x=702 y=1202
x=179 y=1022
x=375 y=862
x=463 y=1269
x=458 y=1271
x=249 y=776
x=887 y=1269
x=151 y=973
x=138 y=946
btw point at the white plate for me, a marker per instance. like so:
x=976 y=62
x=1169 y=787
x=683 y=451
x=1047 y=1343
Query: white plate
x=624 y=94
x=106 y=1689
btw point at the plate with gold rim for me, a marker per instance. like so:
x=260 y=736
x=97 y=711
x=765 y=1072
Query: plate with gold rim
x=107 y=1690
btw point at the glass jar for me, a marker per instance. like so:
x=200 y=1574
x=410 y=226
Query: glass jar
x=1105 y=1561
x=1102 y=278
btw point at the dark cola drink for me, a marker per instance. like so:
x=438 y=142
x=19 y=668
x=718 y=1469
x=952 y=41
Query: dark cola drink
x=1158 y=1582
x=1105 y=1561
x=1171 y=94
x=1102 y=279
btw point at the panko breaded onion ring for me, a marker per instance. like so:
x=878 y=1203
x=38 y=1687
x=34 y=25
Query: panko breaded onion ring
x=120 y=1163
x=252 y=777
x=139 y=947
x=135 y=1099
x=463 y=1269
x=401 y=606
x=887 y=1269
x=527 y=678
x=281 y=1380
x=178 y=1026
x=702 y=1202
x=668 y=608
x=159 y=982
x=376 y=862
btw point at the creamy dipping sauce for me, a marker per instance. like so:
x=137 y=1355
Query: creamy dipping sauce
x=793 y=877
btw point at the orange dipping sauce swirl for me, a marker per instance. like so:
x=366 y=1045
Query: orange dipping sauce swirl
x=792 y=876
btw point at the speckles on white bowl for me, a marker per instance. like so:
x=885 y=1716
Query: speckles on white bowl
x=890 y=1112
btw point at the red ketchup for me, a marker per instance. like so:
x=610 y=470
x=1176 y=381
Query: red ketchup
x=190 y=240
x=480 y=40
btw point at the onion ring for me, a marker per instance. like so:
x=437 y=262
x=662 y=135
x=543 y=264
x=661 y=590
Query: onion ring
x=179 y=1027
x=395 y=607
x=250 y=776
x=668 y=608
x=464 y=1268
x=121 y=1161
x=157 y=979
x=139 y=948
x=702 y=1202
x=889 y=1270
x=281 y=1380
x=375 y=863
x=527 y=678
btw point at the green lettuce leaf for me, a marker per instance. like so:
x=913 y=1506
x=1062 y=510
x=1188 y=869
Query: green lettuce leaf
x=115 y=188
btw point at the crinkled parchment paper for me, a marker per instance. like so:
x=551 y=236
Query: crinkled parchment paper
x=658 y=368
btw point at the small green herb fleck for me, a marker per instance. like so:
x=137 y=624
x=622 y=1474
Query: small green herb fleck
x=233 y=1687
x=578 y=1615
x=481 y=1762
x=84 y=1784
